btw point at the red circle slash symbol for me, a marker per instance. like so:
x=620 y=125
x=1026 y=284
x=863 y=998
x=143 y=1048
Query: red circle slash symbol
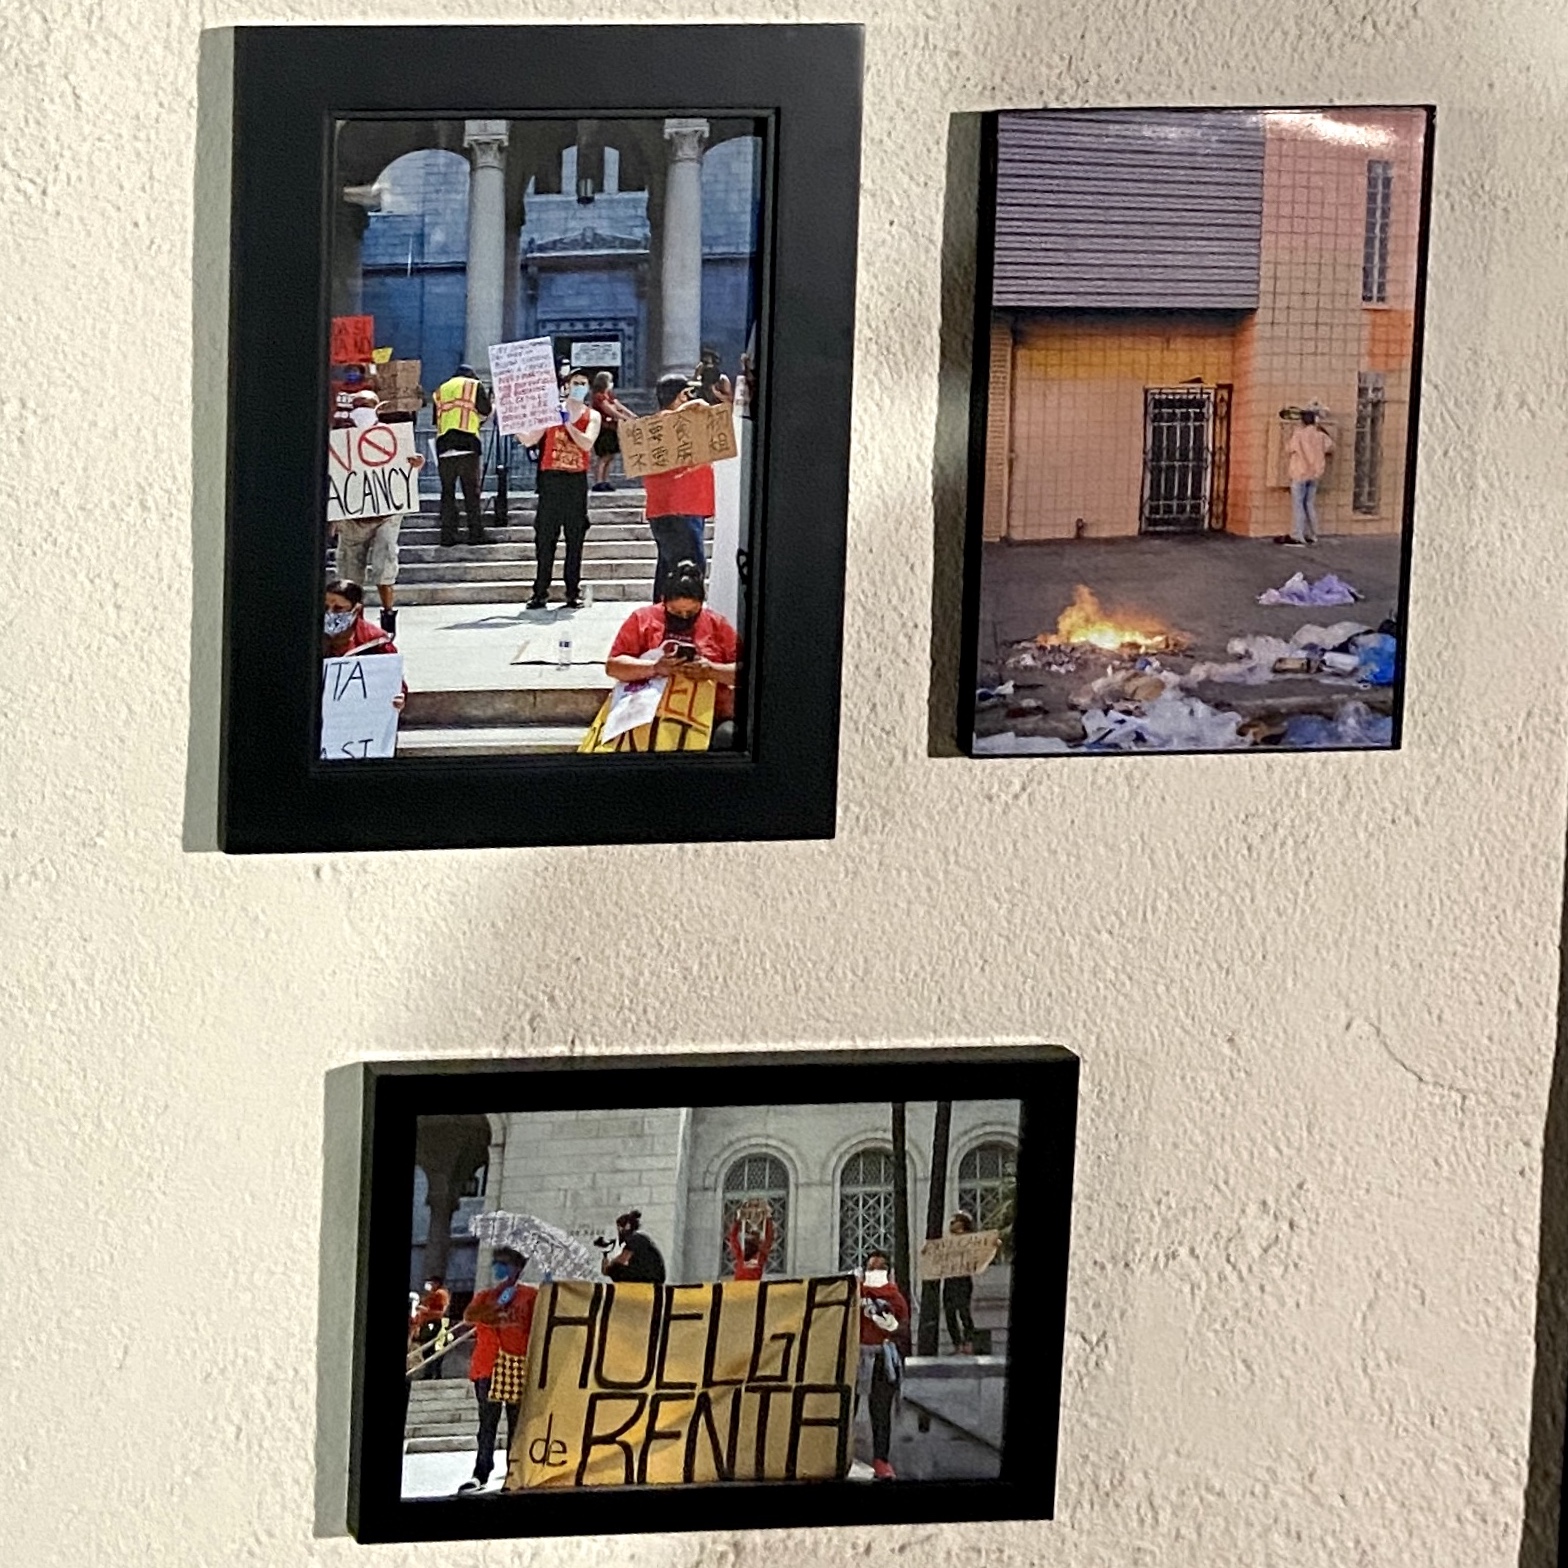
x=377 y=446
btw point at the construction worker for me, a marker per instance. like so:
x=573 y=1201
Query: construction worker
x=461 y=406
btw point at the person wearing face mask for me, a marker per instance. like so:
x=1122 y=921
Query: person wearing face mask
x=502 y=1317
x=428 y=1322
x=461 y=405
x=632 y=1258
x=680 y=500
x=694 y=651
x=346 y=634
x=884 y=1313
x=565 y=452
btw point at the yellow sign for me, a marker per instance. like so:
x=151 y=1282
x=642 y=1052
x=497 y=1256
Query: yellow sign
x=739 y=1380
x=381 y=355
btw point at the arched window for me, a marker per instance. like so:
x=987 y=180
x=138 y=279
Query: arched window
x=757 y=1176
x=475 y=1186
x=986 y=1181
x=865 y=1206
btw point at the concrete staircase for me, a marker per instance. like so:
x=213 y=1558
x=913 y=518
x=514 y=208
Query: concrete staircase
x=442 y=1416
x=619 y=555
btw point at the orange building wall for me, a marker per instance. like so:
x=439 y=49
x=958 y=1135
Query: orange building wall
x=1074 y=421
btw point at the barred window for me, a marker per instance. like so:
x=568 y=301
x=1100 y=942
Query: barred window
x=757 y=1176
x=985 y=1183
x=865 y=1206
x=1367 y=496
x=1374 y=252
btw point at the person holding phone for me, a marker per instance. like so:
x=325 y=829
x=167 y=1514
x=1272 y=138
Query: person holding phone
x=695 y=651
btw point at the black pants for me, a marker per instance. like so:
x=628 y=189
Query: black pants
x=680 y=537
x=563 y=509
x=489 y=1421
x=460 y=468
x=427 y=1333
x=957 y=1294
x=879 y=1398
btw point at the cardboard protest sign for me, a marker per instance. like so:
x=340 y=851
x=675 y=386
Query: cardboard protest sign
x=948 y=1257
x=353 y=339
x=370 y=472
x=656 y=443
x=527 y=391
x=398 y=383
x=668 y=1384
x=357 y=716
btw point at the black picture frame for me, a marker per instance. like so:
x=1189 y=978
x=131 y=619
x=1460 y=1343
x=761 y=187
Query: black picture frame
x=985 y=173
x=392 y=1096
x=290 y=84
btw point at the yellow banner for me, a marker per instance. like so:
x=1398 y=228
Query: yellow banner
x=739 y=1380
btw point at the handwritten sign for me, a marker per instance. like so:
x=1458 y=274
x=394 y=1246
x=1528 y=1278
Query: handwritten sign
x=527 y=388
x=398 y=383
x=357 y=716
x=353 y=339
x=656 y=443
x=370 y=472
x=948 y=1257
x=668 y=1384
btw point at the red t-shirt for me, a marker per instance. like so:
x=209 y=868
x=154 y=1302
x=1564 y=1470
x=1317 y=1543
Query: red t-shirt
x=562 y=455
x=510 y=1334
x=892 y=1299
x=751 y=1268
x=644 y=630
x=682 y=492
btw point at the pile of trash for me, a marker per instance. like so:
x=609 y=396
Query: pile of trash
x=1347 y=650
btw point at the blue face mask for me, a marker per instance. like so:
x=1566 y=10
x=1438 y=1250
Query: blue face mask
x=499 y=1272
x=577 y=393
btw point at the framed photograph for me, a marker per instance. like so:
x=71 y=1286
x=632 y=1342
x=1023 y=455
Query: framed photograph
x=540 y=362
x=1193 y=429
x=622 y=1295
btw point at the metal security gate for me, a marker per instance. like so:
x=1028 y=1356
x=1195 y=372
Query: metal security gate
x=1185 y=458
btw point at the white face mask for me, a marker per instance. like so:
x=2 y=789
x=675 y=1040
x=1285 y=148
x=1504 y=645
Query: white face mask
x=363 y=418
x=874 y=1279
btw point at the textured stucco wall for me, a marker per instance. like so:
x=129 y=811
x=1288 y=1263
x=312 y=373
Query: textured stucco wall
x=1314 y=995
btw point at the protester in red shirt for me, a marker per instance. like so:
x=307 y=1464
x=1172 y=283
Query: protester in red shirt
x=564 y=455
x=751 y=1255
x=502 y=1317
x=680 y=500
x=346 y=634
x=428 y=1320
x=611 y=411
x=884 y=1314
x=698 y=643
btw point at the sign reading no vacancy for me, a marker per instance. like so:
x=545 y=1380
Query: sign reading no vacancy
x=635 y=1385
x=370 y=472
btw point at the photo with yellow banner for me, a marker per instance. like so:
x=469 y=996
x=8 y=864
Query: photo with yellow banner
x=811 y=1294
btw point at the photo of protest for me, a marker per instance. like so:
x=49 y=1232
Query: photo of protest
x=543 y=341
x=1199 y=390
x=790 y=1293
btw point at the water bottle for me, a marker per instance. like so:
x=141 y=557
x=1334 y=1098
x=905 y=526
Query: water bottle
x=563 y=651
x=587 y=592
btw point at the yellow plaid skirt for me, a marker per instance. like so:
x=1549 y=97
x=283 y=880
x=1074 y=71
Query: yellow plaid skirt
x=509 y=1379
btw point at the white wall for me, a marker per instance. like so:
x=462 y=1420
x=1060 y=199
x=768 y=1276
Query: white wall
x=1314 y=995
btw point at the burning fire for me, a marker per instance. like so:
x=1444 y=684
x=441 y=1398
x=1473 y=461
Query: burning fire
x=1084 y=622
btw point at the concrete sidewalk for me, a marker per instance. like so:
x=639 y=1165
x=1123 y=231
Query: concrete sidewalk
x=503 y=647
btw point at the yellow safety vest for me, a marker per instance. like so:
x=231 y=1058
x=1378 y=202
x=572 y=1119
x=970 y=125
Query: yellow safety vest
x=454 y=405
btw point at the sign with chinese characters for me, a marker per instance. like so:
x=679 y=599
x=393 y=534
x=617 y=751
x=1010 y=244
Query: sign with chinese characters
x=682 y=438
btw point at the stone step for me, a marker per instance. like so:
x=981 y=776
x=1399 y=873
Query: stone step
x=563 y=707
x=637 y=590
x=443 y=571
x=443 y=1445
x=460 y=554
x=528 y=739
x=418 y=529
x=521 y=508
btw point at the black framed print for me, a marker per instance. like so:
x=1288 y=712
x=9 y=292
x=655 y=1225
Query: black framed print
x=539 y=382
x=735 y=1291
x=1196 y=383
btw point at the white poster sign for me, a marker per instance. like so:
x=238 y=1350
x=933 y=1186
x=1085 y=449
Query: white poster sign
x=371 y=472
x=527 y=389
x=357 y=714
x=633 y=703
x=597 y=355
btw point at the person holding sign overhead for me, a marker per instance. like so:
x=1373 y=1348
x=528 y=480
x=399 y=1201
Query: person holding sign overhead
x=461 y=406
x=565 y=452
x=680 y=500
x=958 y=1293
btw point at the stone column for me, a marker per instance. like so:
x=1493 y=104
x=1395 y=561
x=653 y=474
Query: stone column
x=350 y=219
x=486 y=143
x=681 y=246
x=443 y=1205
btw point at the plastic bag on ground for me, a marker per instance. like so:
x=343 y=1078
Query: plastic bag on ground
x=1354 y=725
x=1170 y=723
x=1328 y=589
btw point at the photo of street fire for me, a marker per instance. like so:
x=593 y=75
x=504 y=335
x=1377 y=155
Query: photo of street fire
x=1199 y=394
